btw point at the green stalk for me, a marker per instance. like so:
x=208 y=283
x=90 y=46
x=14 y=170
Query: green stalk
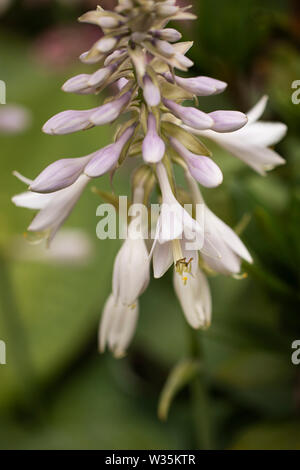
x=199 y=396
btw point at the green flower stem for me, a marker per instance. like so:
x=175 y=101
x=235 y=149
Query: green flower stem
x=199 y=396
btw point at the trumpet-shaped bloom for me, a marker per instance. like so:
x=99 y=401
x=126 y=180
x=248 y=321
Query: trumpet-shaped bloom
x=117 y=326
x=195 y=299
x=178 y=236
x=54 y=208
x=131 y=270
x=174 y=252
x=222 y=250
x=220 y=238
x=174 y=221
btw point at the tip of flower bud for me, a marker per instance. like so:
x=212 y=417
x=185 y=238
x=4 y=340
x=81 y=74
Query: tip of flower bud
x=228 y=121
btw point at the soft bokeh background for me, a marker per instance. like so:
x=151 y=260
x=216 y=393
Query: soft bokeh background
x=56 y=391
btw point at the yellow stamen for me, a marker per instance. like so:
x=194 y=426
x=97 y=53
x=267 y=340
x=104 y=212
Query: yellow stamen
x=239 y=277
x=182 y=266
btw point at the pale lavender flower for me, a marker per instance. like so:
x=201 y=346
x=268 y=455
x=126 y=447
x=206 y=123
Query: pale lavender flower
x=164 y=48
x=202 y=168
x=67 y=122
x=117 y=326
x=109 y=111
x=223 y=251
x=59 y=174
x=105 y=159
x=199 y=86
x=131 y=273
x=228 y=121
x=71 y=121
x=167 y=34
x=190 y=116
x=173 y=221
x=151 y=92
x=85 y=83
x=54 y=208
x=195 y=299
x=153 y=146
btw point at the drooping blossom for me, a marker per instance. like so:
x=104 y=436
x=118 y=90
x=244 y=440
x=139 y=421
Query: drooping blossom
x=195 y=299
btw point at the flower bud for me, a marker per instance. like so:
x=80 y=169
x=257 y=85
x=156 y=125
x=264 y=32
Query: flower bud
x=108 y=22
x=228 y=121
x=105 y=159
x=109 y=111
x=87 y=58
x=200 y=86
x=100 y=19
x=115 y=56
x=153 y=145
x=189 y=115
x=67 y=122
x=183 y=61
x=166 y=10
x=151 y=92
x=98 y=78
x=105 y=44
x=202 y=168
x=76 y=84
x=167 y=34
x=59 y=175
x=164 y=48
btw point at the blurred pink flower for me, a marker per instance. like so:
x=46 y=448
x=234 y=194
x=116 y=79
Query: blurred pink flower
x=61 y=45
x=14 y=119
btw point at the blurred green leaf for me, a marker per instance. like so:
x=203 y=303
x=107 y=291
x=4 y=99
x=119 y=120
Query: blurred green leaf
x=270 y=436
x=180 y=376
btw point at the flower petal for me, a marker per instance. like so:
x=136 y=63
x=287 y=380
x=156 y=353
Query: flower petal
x=162 y=259
x=257 y=111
